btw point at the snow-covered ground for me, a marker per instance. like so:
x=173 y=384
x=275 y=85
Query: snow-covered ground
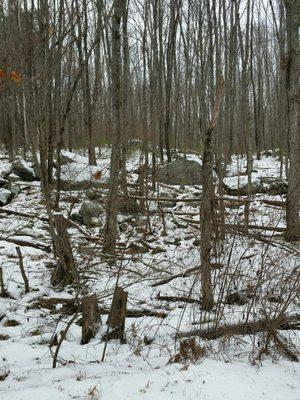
x=228 y=368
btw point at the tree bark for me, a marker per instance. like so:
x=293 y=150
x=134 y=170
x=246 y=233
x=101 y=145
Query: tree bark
x=206 y=212
x=293 y=89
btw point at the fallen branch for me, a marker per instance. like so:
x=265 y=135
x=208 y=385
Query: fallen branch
x=273 y=203
x=71 y=306
x=178 y=299
x=180 y=275
x=240 y=226
x=71 y=223
x=22 y=214
x=26 y=243
x=244 y=328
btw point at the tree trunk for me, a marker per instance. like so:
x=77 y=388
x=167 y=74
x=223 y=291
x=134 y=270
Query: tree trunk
x=206 y=211
x=90 y=318
x=110 y=230
x=65 y=272
x=293 y=197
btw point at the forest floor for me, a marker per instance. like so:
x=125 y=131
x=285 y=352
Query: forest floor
x=159 y=270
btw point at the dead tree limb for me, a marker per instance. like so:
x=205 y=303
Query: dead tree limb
x=179 y=299
x=180 y=275
x=246 y=328
x=21 y=265
x=26 y=243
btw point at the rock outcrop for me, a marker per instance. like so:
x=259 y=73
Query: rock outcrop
x=180 y=172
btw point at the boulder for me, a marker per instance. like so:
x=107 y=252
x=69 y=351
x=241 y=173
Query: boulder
x=238 y=185
x=5 y=196
x=66 y=159
x=135 y=143
x=6 y=172
x=129 y=206
x=24 y=171
x=76 y=217
x=180 y=172
x=275 y=185
x=278 y=188
x=13 y=178
x=7 y=191
x=77 y=176
x=14 y=190
x=236 y=298
x=90 y=213
x=3 y=182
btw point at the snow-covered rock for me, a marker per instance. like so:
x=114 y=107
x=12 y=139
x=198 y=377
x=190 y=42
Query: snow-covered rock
x=68 y=157
x=3 y=182
x=180 y=172
x=5 y=196
x=24 y=170
x=90 y=212
x=77 y=176
x=274 y=185
x=238 y=185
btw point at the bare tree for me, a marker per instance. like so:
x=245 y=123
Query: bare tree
x=293 y=65
x=206 y=209
x=111 y=226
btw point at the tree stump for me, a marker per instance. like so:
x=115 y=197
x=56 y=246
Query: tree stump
x=3 y=292
x=65 y=272
x=117 y=314
x=90 y=318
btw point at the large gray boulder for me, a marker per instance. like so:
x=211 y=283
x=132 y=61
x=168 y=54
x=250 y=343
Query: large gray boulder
x=77 y=176
x=66 y=159
x=90 y=213
x=8 y=191
x=238 y=185
x=6 y=172
x=24 y=171
x=274 y=185
x=5 y=196
x=3 y=182
x=180 y=172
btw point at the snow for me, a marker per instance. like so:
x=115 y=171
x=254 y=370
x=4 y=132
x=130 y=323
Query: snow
x=236 y=182
x=138 y=370
x=125 y=376
x=82 y=172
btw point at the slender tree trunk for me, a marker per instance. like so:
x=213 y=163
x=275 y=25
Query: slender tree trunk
x=293 y=65
x=206 y=211
x=111 y=228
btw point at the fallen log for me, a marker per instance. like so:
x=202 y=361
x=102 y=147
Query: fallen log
x=22 y=214
x=71 y=223
x=240 y=226
x=180 y=275
x=258 y=227
x=185 y=200
x=273 y=203
x=26 y=243
x=70 y=306
x=244 y=328
x=183 y=299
